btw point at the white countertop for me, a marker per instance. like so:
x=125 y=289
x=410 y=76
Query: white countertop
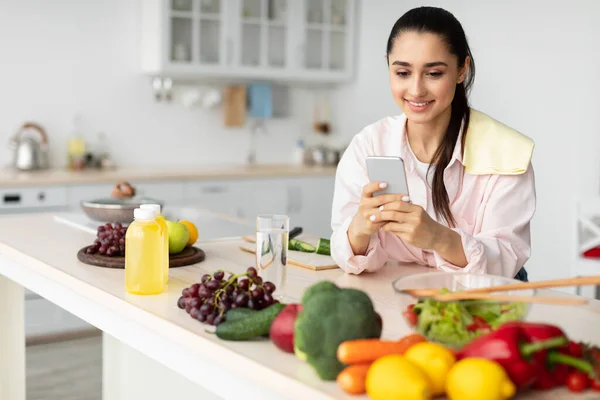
x=10 y=177
x=39 y=253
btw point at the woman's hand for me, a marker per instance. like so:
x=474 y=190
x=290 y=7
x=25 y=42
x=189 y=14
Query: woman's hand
x=414 y=226
x=411 y=223
x=364 y=223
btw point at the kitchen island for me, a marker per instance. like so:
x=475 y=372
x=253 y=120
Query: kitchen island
x=154 y=349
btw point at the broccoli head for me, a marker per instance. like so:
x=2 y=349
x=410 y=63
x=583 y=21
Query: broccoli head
x=330 y=316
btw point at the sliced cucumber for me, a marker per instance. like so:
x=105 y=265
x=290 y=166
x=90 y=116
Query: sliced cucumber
x=324 y=247
x=295 y=244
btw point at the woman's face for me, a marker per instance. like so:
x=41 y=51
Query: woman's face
x=423 y=75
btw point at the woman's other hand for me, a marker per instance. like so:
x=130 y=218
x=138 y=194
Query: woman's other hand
x=409 y=222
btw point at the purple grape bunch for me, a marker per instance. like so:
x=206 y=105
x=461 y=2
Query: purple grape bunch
x=209 y=300
x=110 y=240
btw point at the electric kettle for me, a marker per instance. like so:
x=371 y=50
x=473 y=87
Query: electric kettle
x=30 y=153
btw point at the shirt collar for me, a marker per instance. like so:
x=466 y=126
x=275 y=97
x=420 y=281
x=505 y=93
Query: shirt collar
x=400 y=143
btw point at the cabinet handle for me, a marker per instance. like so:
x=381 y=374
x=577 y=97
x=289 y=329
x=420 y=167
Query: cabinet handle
x=12 y=198
x=302 y=55
x=229 y=51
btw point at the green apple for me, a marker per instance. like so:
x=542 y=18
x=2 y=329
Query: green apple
x=178 y=236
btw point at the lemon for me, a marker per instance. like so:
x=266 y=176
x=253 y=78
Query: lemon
x=478 y=379
x=435 y=360
x=393 y=377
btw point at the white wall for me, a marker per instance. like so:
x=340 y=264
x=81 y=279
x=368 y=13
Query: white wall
x=538 y=70
x=66 y=56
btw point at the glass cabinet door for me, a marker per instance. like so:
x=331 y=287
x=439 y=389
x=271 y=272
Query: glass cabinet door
x=326 y=33
x=182 y=38
x=196 y=31
x=210 y=27
x=264 y=33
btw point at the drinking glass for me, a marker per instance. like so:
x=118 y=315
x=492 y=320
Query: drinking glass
x=272 y=237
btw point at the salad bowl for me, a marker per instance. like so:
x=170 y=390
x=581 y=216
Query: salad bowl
x=455 y=323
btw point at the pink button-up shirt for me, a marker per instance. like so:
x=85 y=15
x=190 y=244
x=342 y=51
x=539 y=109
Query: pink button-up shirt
x=492 y=212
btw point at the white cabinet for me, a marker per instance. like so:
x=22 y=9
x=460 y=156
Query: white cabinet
x=32 y=198
x=306 y=200
x=223 y=196
x=278 y=40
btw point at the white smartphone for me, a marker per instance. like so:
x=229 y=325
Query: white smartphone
x=390 y=170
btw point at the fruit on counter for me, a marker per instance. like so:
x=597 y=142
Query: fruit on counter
x=110 y=240
x=352 y=378
x=435 y=360
x=359 y=354
x=178 y=236
x=368 y=350
x=577 y=381
x=282 y=328
x=556 y=374
x=456 y=323
x=331 y=315
x=395 y=377
x=251 y=326
x=209 y=300
x=324 y=247
x=514 y=350
x=478 y=379
x=193 y=230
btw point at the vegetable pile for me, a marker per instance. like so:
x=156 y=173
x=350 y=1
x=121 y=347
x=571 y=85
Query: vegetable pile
x=491 y=355
x=331 y=315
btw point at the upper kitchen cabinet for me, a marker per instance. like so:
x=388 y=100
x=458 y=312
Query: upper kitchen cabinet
x=308 y=41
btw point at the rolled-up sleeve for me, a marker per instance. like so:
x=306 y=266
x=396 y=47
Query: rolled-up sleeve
x=351 y=176
x=502 y=244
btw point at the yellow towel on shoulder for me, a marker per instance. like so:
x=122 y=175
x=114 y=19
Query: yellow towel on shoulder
x=494 y=148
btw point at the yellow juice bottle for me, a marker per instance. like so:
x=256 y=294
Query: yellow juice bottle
x=165 y=233
x=144 y=271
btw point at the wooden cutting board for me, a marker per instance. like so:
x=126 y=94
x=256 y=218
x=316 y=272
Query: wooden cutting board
x=189 y=255
x=312 y=261
x=234 y=106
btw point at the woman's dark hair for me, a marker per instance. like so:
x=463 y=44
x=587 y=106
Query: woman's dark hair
x=443 y=23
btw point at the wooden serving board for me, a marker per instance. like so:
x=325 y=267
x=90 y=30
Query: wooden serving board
x=313 y=261
x=189 y=255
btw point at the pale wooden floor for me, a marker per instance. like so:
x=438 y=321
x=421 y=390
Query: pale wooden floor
x=70 y=370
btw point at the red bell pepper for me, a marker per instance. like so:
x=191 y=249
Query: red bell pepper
x=510 y=346
x=556 y=363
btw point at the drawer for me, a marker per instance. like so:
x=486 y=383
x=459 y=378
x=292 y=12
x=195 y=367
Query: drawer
x=216 y=196
x=31 y=197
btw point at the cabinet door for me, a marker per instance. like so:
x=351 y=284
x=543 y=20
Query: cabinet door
x=196 y=32
x=215 y=196
x=264 y=196
x=261 y=32
x=327 y=34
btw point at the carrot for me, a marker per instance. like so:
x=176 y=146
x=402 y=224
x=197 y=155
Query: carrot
x=352 y=378
x=368 y=350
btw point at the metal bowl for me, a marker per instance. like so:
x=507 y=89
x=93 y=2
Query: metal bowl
x=115 y=210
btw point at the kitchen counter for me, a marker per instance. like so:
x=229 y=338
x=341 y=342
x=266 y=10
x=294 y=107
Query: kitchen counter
x=39 y=253
x=66 y=177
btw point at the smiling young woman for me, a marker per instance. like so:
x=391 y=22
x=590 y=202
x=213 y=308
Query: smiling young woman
x=470 y=179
